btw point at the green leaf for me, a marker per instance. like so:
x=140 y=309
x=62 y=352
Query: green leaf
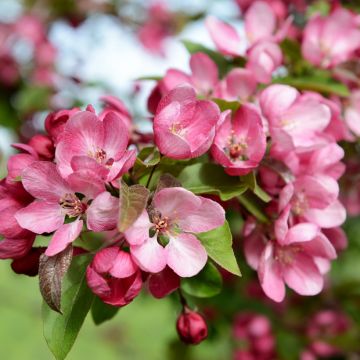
x=207 y=283
x=211 y=179
x=250 y=180
x=31 y=99
x=318 y=82
x=148 y=156
x=218 y=244
x=61 y=331
x=227 y=105
x=133 y=200
x=150 y=77
x=102 y=312
x=51 y=273
x=249 y=201
x=224 y=64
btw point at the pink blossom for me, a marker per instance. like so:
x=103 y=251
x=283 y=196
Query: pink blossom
x=264 y=58
x=240 y=141
x=184 y=127
x=204 y=76
x=352 y=113
x=296 y=122
x=56 y=198
x=314 y=199
x=113 y=104
x=97 y=145
x=329 y=41
x=114 y=277
x=163 y=283
x=291 y=259
x=176 y=215
x=191 y=327
x=255 y=331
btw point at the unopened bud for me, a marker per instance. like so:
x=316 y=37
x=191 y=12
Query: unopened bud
x=191 y=327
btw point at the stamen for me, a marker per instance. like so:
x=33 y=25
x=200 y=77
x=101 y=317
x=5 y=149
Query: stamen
x=72 y=205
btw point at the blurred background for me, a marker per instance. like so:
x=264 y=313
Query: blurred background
x=63 y=53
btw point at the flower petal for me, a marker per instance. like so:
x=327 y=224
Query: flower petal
x=64 y=236
x=185 y=255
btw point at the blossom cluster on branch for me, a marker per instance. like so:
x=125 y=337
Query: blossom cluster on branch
x=95 y=196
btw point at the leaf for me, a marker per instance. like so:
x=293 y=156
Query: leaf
x=51 y=272
x=250 y=203
x=102 y=312
x=224 y=64
x=148 y=156
x=31 y=99
x=207 y=283
x=227 y=105
x=133 y=200
x=250 y=180
x=218 y=244
x=61 y=331
x=167 y=181
x=149 y=77
x=319 y=83
x=211 y=179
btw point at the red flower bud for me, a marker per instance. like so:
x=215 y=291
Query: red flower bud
x=43 y=146
x=191 y=327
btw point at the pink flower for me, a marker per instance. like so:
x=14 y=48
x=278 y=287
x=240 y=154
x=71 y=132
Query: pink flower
x=295 y=121
x=17 y=241
x=113 y=104
x=292 y=259
x=329 y=41
x=56 y=198
x=98 y=145
x=184 y=127
x=176 y=215
x=204 y=76
x=263 y=59
x=314 y=199
x=114 y=277
x=255 y=331
x=352 y=113
x=163 y=283
x=240 y=141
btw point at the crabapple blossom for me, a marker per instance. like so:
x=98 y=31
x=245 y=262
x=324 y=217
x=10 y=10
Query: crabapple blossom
x=164 y=235
x=87 y=142
x=240 y=141
x=184 y=127
x=114 y=277
x=57 y=198
x=332 y=40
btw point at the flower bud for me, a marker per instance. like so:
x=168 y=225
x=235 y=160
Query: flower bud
x=43 y=146
x=191 y=327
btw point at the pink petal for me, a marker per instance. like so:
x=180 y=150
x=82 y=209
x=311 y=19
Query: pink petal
x=123 y=266
x=41 y=217
x=116 y=136
x=224 y=36
x=9 y=227
x=240 y=84
x=123 y=165
x=103 y=213
x=204 y=73
x=138 y=232
x=270 y=275
x=281 y=226
x=17 y=163
x=275 y=100
x=42 y=180
x=209 y=216
x=86 y=182
x=332 y=216
x=176 y=203
x=260 y=21
x=174 y=78
x=185 y=255
x=320 y=246
x=12 y=248
x=150 y=255
x=300 y=233
x=254 y=245
x=302 y=275
x=83 y=162
x=337 y=237
x=163 y=283
x=97 y=283
x=104 y=259
x=64 y=236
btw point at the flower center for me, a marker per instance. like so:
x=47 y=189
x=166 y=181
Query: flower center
x=100 y=156
x=72 y=205
x=286 y=255
x=161 y=224
x=236 y=149
x=300 y=204
x=176 y=129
